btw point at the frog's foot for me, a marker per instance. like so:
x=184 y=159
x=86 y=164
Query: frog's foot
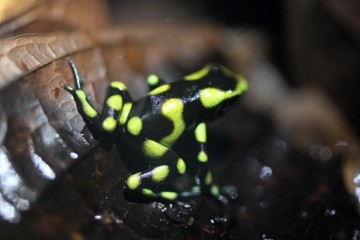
x=229 y=191
x=148 y=195
x=223 y=194
x=79 y=81
x=67 y=87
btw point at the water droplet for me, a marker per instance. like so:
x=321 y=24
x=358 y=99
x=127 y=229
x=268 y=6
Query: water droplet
x=265 y=173
x=330 y=212
x=187 y=206
x=74 y=155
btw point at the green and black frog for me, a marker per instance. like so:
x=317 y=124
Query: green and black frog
x=154 y=123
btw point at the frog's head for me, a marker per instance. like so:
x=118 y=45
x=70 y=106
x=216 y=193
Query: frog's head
x=219 y=87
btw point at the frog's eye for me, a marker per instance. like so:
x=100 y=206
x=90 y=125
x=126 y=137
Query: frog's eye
x=211 y=97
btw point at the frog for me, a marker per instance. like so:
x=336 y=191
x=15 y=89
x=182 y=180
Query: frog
x=156 y=121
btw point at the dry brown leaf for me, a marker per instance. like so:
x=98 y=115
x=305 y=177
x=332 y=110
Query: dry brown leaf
x=24 y=54
x=52 y=15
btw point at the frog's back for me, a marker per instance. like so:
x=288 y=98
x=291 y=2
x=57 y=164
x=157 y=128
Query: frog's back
x=170 y=109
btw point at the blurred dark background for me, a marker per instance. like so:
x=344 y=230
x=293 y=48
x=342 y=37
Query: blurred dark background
x=265 y=16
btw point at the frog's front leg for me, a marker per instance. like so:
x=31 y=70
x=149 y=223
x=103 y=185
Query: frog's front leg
x=204 y=181
x=117 y=101
x=165 y=165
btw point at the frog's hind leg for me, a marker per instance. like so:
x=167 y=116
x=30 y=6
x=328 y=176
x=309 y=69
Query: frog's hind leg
x=166 y=165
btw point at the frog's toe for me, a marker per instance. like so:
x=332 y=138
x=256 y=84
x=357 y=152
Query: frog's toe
x=224 y=194
x=229 y=191
x=67 y=87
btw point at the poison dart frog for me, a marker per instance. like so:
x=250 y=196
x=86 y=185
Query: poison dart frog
x=156 y=121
